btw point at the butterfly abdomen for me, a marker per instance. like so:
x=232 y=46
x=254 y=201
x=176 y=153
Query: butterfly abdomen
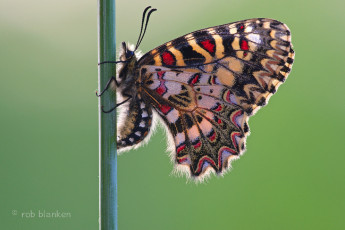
x=135 y=124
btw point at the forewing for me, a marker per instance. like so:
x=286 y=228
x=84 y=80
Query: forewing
x=251 y=57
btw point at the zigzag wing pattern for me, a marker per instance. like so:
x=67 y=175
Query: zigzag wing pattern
x=208 y=124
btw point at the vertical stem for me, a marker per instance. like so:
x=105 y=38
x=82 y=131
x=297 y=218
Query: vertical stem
x=107 y=121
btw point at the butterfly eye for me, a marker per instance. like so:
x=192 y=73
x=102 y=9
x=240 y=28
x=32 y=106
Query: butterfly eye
x=129 y=53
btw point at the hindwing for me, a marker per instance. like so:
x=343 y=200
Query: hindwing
x=204 y=117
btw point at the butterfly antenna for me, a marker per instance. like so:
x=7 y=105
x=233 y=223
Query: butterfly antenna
x=142 y=32
x=142 y=23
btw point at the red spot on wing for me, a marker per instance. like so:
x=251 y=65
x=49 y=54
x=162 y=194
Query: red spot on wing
x=161 y=90
x=213 y=136
x=230 y=97
x=228 y=94
x=218 y=108
x=207 y=45
x=202 y=161
x=168 y=58
x=180 y=148
x=160 y=74
x=197 y=145
x=244 y=45
x=233 y=138
x=219 y=121
x=181 y=160
x=195 y=79
x=241 y=27
x=238 y=113
x=164 y=108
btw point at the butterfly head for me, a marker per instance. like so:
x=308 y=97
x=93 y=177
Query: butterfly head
x=127 y=53
x=129 y=60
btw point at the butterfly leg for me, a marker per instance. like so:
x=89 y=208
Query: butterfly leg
x=107 y=85
x=117 y=105
x=127 y=95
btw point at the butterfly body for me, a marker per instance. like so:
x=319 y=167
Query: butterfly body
x=204 y=86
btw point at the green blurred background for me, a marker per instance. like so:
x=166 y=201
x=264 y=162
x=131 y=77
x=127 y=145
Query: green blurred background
x=291 y=177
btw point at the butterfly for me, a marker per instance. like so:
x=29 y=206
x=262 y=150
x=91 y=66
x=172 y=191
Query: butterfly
x=203 y=86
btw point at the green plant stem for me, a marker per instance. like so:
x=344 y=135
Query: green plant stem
x=107 y=121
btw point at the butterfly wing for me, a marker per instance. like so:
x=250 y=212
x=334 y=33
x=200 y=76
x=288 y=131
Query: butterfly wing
x=206 y=121
x=252 y=57
x=207 y=83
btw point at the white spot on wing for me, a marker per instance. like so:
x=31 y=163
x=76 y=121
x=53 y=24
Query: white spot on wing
x=193 y=133
x=172 y=116
x=180 y=138
x=248 y=29
x=233 y=30
x=239 y=120
x=233 y=99
x=254 y=37
x=144 y=114
x=205 y=126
